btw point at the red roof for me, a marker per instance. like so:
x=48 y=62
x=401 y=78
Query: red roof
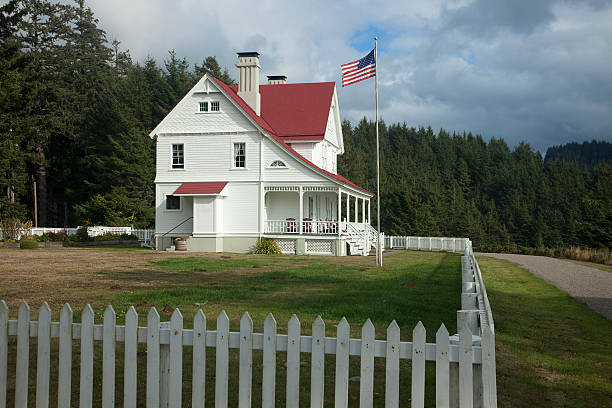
x=296 y=111
x=264 y=124
x=200 y=188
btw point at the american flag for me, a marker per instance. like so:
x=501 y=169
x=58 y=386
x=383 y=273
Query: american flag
x=359 y=70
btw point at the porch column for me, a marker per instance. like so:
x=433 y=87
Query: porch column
x=301 y=194
x=348 y=208
x=369 y=217
x=356 y=212
x=363 y=210
x=339 y=209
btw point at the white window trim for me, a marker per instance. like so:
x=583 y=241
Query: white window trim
x=171 y=158
x=285 y=167
x=246 y=156
x=209 y=111
x=171 y=210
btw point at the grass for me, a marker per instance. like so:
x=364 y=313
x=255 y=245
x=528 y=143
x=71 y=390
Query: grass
x=412 y=287
x=551 y=349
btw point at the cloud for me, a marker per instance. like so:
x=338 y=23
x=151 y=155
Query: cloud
x=523 y=70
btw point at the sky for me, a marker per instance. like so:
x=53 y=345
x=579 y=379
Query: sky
x=523 y=70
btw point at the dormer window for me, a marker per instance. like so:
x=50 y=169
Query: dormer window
x=203 y=107
x=278 y=164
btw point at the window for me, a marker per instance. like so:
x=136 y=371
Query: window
x=239 y=155
x=214 y=106
x=173 y=202
x=278 y=163
x=178 y=156
x=203 y=107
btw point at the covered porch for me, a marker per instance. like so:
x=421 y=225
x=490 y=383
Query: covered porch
x=314 y=210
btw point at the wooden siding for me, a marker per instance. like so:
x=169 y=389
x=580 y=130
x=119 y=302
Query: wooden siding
x=240 y=208
x=165 y=220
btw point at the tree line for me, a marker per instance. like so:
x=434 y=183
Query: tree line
x=77 y=110
x=443 y=184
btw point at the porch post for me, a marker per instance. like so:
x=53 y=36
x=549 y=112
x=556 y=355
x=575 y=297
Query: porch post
x=363 y=211
x=369 y=207
x=356 y=212
x=301 y=195
x=339 y=209
x=348 y=208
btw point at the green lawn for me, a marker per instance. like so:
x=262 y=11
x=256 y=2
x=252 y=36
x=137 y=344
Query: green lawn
x=552 y=351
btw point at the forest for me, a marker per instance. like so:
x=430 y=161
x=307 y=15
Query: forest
x=77 y=110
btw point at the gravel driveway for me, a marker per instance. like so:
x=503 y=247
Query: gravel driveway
x=589 y=285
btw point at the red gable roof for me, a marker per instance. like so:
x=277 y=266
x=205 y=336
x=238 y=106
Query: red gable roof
x=264 y=124
x=200 y=188
x=296 y=111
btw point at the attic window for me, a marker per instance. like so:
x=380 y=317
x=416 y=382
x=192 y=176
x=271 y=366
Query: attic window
x=278 y=163
x=203 y=107
x=214 y=106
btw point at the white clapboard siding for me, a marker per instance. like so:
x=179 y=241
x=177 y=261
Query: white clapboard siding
x=43 y=363
x=64 y=380
x=366 y=386
x=442 y=368
x=108 y=358
x=418 y=366
x=153 y=358
x=87 y=352
x=130 y=370
x=392 y=368
x=199 y=360
x=293 y=363
x=175 y=387
x=317 y=373
x=269 y=363
x=246 y=362
x=3 y=351
x=222 y=361
x=342 y=364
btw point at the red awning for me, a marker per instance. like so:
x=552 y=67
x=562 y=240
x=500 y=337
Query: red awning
x=201 y=188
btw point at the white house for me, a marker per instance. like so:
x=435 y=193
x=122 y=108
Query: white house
x=237 y=163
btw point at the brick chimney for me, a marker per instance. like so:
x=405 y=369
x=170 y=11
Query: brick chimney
x=248 y=79
x=277 y=79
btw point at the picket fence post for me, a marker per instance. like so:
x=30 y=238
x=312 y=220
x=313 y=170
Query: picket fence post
x=222 y=361
x=392 y=366
x=442 y=368
x=269 y=363
x=293 y=362
x=317 y=376
x=64 y=380
x=366 y=386
x=198 y=382
x=130 y=373
x=43 y=364
x=176 y=360
x=418 y=366
x=3 y=351
x=246 y=361
x=153 y=348
x=342 y=364
x=108 y=358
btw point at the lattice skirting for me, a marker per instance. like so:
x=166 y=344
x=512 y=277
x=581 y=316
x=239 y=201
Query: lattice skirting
x=319 y=246
x=287 y=246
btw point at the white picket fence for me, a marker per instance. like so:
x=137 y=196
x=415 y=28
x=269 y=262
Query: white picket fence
x=426 y=243
x=145 y=236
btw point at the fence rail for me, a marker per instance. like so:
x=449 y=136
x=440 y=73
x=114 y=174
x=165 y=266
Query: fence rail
x=145 y=236
x=426 y=243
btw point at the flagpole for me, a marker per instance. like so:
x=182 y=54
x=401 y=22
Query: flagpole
x=379 y=246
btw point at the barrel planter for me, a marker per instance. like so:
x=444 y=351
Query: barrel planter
x=180 y=244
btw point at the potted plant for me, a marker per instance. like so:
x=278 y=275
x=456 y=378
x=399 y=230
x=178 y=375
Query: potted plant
x=180 y=244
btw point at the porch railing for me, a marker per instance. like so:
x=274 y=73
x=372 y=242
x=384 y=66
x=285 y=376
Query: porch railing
x=291 y=226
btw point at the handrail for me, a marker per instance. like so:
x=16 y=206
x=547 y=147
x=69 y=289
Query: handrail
x=167 y=232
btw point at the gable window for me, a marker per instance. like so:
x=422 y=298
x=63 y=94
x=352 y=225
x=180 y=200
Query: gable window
x=178 y=156
x=203 y=107
x=278 y=163
x=239 y=155
x=173 y=202
x=214 y=106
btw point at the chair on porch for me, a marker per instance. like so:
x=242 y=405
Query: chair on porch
x=291 y=225
x=307 y=225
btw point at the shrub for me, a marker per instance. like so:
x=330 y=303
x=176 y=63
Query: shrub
x=28 y=244
x=59 y=236
x=43 y=238
x=13 y=228
x=267 y=246
x=81 y=235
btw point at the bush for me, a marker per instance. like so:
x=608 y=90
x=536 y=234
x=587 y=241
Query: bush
x=13 y=228
x=43 y=238
x=81 y=235
x=115 y=237
x=28 y=244
x=267 y=246
x=59 y=236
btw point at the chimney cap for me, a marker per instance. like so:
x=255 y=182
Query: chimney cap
x=248 y=54
x=277 y=77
